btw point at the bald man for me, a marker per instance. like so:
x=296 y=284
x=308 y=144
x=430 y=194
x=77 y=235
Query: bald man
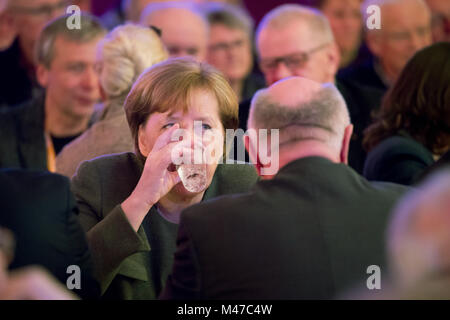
x=306 y=231
x=405 y=29
x=185 y=30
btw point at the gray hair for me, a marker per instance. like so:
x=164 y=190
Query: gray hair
x=413 y=256
x=285 y=14
x=124 y=54
x=153 y=8
x=91 y=28
x=230 y=16
x=323 y=118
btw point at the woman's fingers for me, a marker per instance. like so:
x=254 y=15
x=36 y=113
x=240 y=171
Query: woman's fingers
x=165 y=138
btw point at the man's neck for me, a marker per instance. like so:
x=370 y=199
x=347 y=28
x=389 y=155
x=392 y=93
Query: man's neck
x=387 y=75
x=62 y=125
x=171 y=205
x=306 y=149
x=237 y=86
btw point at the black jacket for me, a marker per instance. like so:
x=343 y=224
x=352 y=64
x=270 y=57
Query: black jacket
x=40 y=210
x=309 y=233
x=22 y=140
x=399 y=159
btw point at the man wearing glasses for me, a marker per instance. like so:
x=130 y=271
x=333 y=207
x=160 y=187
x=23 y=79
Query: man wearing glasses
x=29 y=17
x=405 y=29
x=293 y=40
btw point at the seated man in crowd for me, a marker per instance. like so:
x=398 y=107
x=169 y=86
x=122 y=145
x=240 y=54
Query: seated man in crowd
x=307 y=232
x=40 y=211
x=440 y=19
x=35 y=132
x=18 y=79
x=346 y=22
x=294 y=40
x=184 y=28
x=230 y=48
x=419 y=241
x=405 y=29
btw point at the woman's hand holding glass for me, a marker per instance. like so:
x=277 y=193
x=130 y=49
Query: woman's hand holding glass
x=156 y=180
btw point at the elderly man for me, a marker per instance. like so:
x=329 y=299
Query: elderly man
x=294 y=40
x=405 y=29
x=34 y=133
x=440 y=12
x=419 y=241
x=184 y=28
x=18 y=79
x=309 y=231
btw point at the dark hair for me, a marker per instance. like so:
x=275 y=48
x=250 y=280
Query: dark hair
x=418 y=103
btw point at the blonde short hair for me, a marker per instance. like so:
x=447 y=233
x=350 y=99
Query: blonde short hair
x=124 y=54
x=166 y=87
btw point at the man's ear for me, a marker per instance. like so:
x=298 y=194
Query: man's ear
x=346 y=144
x=102 y=93
x=42 y=75
x=334 y=59
x=252 y=152
x=142 y=142
x=373 y=41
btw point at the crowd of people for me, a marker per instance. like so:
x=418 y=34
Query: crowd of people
x=116 y=162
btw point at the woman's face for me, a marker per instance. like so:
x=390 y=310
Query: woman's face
x=203 y=109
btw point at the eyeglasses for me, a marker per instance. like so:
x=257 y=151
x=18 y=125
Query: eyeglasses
x=157 y=30
x=293 y=62
x=226 y=46
x=44 y=10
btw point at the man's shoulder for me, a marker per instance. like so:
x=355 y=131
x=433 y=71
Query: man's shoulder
x=31 y=183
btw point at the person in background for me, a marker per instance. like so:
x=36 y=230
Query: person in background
x=7 y=30
x=406 y=28
x=346 y=22
x=18 y=81
x=131 y=202
x=230 y=48
x=34 y=133
x=419 y=241
x=294 y=40
x=122 y=56
x=289 y=236
x=40 y=211
x=412 y=129
x=440 y=17
x=185 y=29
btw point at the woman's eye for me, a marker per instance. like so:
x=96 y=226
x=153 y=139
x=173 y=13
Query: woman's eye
x=206 y=126
x=167 y=126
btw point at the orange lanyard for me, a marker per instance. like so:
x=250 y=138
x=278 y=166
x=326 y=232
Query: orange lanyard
x=51 y=156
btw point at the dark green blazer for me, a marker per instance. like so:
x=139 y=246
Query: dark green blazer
x=122 y=256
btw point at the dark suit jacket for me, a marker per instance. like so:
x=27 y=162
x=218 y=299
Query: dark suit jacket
x=22 y=142
x=122 y=256
x=40 y=210
x=398 y=159
x=309 y=233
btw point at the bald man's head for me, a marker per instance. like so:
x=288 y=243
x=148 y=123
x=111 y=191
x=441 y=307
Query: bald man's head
x=302 y=110
x=184 y=28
